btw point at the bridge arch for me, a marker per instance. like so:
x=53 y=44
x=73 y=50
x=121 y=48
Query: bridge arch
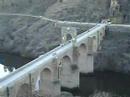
x=66 y=62
x=24 y=91
x=46 y=74
x=82 y=48
x=83 y=58
x=66 y=71
x=68 y=33
x=68 y=36
x=46 y=82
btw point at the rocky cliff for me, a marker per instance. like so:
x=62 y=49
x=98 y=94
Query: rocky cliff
x=33 y=37
x=115 y=53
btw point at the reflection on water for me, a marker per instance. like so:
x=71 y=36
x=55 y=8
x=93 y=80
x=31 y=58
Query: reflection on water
x=106 y=82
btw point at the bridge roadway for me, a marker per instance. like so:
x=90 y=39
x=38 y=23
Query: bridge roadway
x=62 y=65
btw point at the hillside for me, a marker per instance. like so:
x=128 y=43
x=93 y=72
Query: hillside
x=31 y=36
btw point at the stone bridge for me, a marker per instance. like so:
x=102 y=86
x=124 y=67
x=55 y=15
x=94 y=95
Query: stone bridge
x=61 y=66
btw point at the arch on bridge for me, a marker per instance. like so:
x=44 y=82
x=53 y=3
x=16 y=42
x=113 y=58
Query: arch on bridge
x=82 y=48
x=46 y=74
x=68 y=33
x=66 y=62
x=83 y=58
x=66 y=73
x=68 y=36
x=24 y=91
x=46 y=82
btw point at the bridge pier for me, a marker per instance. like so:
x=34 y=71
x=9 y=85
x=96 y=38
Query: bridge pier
x=86 y=57
x=56 y=77
x=83 y=58
x=75 y=67
x=46 y=83
x=90 y=54
x=50 y=81
x=70 y=71
x=90 y=64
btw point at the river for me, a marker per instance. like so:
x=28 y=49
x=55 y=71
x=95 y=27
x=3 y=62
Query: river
x=13 y=60
x=9 y=62
x=110 y=83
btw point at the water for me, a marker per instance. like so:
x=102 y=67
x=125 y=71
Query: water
x=13 y=60
x=114 y=83
x=9 y=62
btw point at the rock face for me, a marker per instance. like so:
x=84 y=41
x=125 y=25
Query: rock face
x=125 y=10
x=25 y=35
x=33 y=6
x=33 y=37
x=115 y=53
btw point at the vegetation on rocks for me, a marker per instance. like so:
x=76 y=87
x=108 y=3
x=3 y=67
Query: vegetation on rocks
x=33 y=37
